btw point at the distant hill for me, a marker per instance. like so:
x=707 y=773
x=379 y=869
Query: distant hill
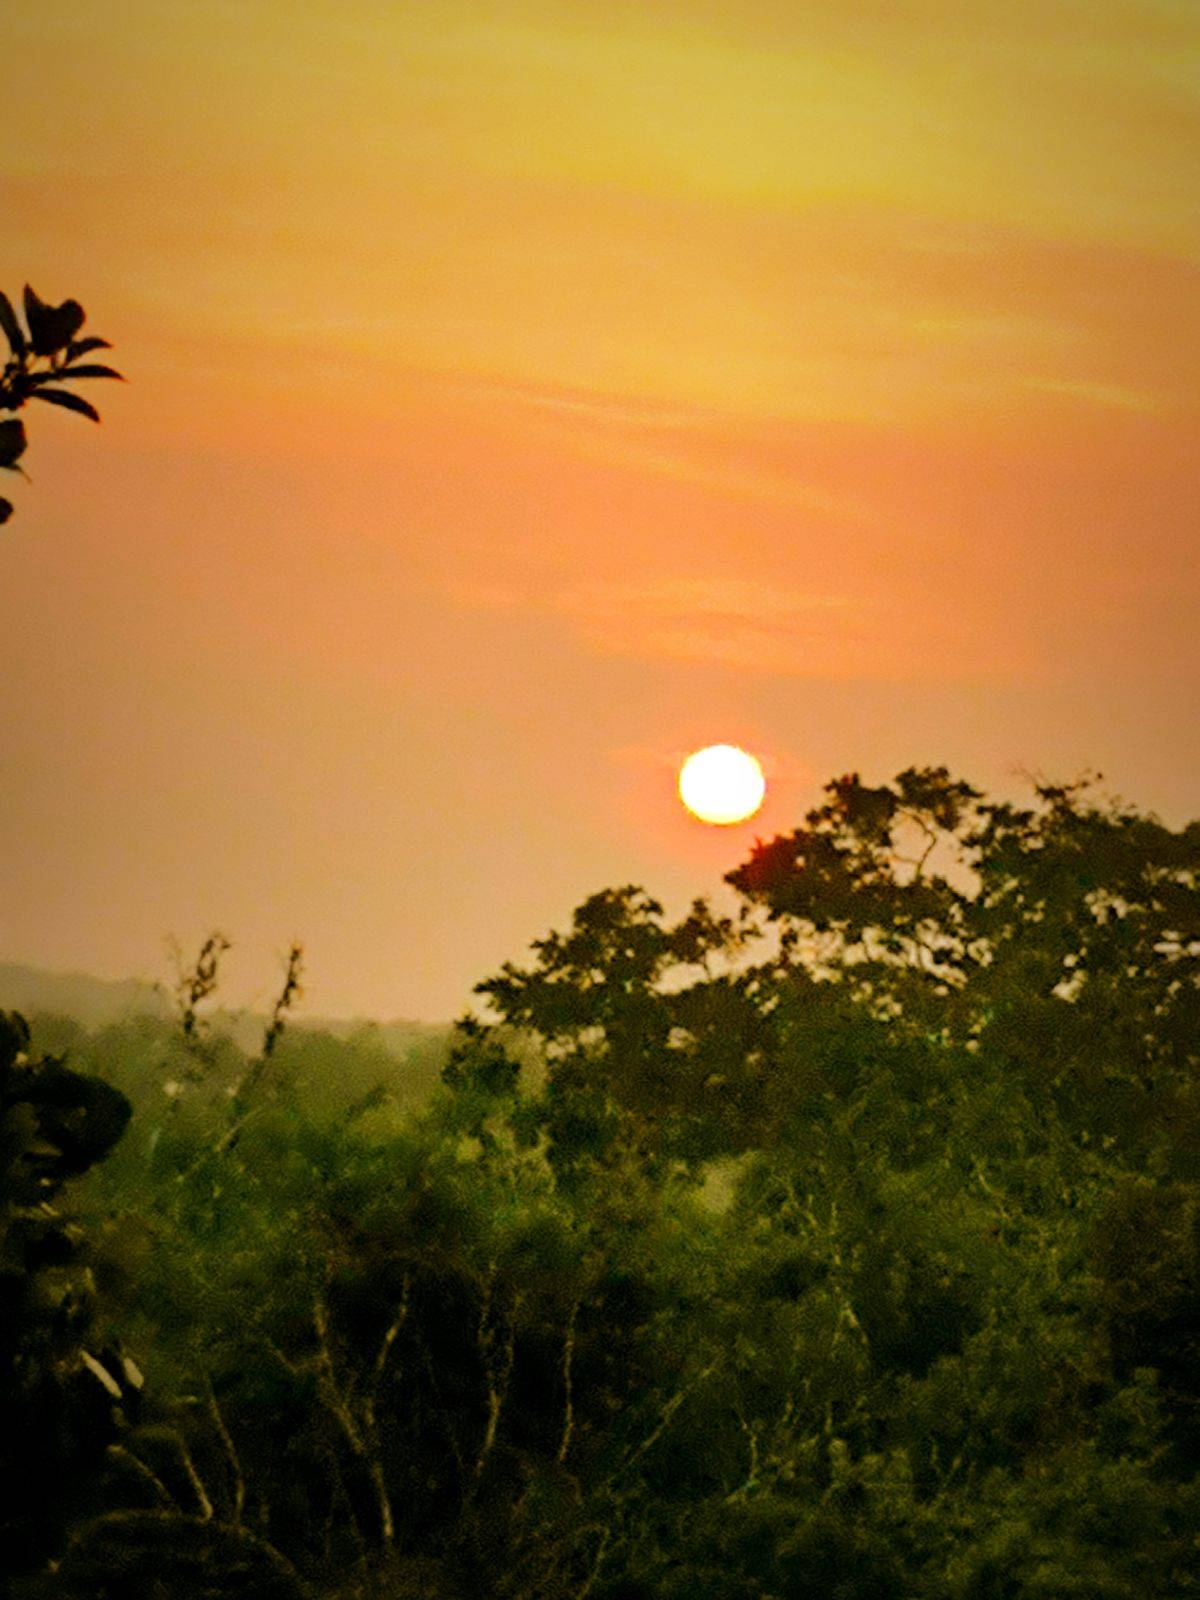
x=99 y=1002
x=95 y=1002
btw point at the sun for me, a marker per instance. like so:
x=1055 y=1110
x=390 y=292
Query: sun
x=722 y=784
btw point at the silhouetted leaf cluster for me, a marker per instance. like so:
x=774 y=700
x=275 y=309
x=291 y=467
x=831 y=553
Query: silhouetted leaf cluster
x=45 y=357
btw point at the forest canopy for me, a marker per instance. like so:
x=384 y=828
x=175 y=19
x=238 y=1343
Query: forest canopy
x=841 y=1244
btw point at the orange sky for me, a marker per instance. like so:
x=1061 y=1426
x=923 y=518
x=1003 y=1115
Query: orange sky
x=524 y=393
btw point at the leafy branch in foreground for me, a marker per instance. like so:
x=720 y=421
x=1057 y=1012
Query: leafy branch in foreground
x=44 y=356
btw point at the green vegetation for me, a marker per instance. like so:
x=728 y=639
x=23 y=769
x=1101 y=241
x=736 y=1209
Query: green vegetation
x=842 y=1246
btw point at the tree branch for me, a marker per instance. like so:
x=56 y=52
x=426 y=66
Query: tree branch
x=231 y=1455
x=568 y=1393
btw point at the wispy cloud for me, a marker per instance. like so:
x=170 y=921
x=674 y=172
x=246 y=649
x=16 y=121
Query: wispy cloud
x=664 y=441
x=1113 y=395
x=606 y=410
x=754 y=627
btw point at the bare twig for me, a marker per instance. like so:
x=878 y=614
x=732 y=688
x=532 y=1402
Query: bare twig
x=589 y=1583
x=391 y=1333
x=361 y=1437
x=196 y=985
x=196 y=1483
x=752 y=1431
x=231 y=1455
x=253 y=1074
x=665 y=1417
x=237 y=1539
x=118 y=1452
x=288 y=996
x=497 y=1370
x=452 y=1438
x=568 y=1357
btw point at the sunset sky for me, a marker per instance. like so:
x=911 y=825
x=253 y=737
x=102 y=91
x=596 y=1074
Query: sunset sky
x=522 y=395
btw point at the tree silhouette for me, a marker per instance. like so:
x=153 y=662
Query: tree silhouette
x=44 y=357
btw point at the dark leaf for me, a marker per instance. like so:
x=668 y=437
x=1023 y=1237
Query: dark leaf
x=6 y=511
x=87 y=371
x=12 y=328
x=19 y=386
x=12 y=442
x=35 y=310
x=80 y=347
x=51 y=328
x=71 y=402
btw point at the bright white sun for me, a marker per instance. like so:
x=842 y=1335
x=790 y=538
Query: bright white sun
x=722 y=784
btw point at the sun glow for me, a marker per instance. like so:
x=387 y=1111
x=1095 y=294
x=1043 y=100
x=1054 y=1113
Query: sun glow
x=722 y=784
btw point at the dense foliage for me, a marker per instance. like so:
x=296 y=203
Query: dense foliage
x=54 y=1125
x=846 y=1245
